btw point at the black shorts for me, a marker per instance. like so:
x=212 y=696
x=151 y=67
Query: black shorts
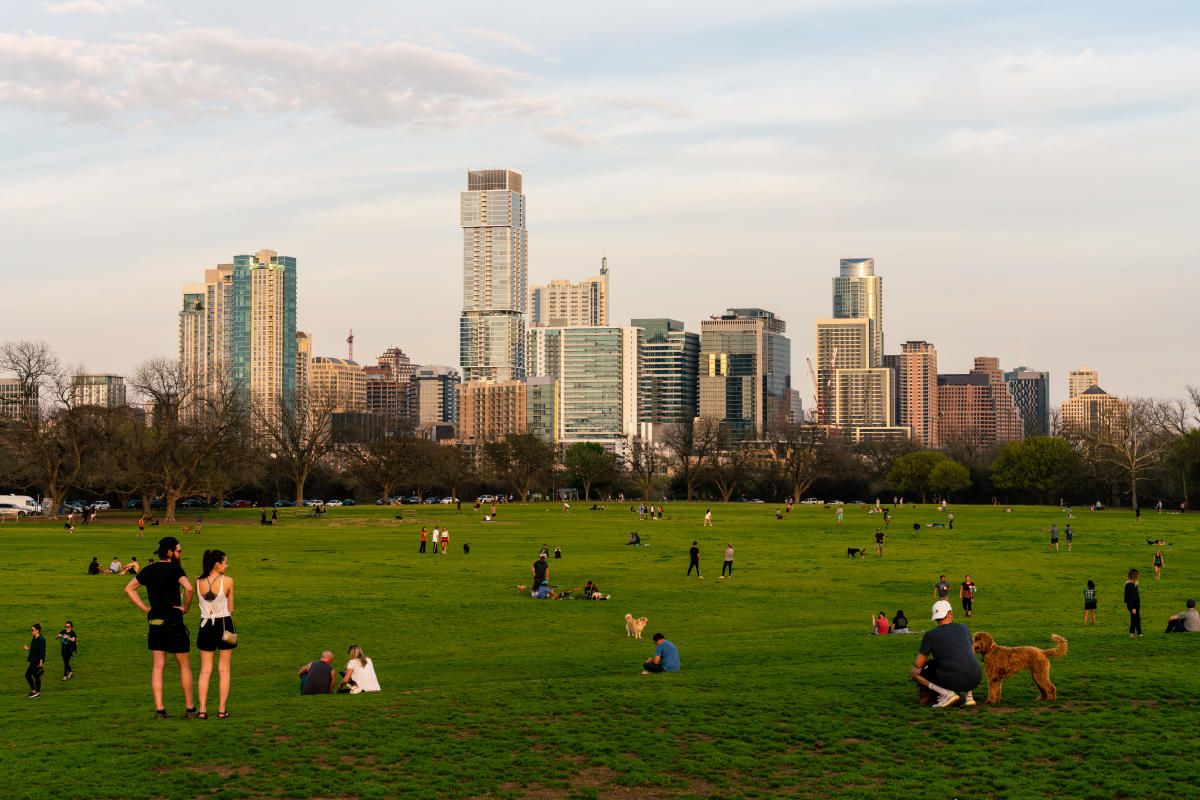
x=1089 y=605
x=209 y=637
x=168 y=635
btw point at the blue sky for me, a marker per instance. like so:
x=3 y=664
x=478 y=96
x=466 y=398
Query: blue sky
x=1023 y=173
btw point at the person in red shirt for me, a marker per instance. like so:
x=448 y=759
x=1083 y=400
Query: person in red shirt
x=880 y=625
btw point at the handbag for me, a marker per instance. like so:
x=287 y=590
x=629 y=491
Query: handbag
x=229 y=637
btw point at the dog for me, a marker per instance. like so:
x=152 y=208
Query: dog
x=522 y=589
x=856 y=552
x=633 y=627
x=1004 y=662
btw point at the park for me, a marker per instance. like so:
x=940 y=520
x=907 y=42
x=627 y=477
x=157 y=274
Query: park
x=488 y=693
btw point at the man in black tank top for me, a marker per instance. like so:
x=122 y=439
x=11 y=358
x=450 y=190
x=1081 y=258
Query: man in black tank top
x=168 y=634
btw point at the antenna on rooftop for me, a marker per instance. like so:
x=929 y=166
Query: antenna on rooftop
x=350 y=343
x=604 y=265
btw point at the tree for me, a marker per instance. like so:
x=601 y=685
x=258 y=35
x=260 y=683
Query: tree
x=589 y=463
x=689 y=448
x=1131 y=440
x=520 y=460
x=454 y=467
x=1183 y=460
x=381 y=463
x=646 y=464
x=1044 y=465
x=729 y=469
x=911 y=472
x=797 y=450
x=948 y=477
x=299 y=431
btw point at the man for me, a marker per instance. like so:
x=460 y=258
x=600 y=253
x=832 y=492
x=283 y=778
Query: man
x=316 y=677
x=1185 y=621
x=424 y=539
x=36 y=659
x=666 y=657
x=165 y=613
x=1070 y=537
x=694 y=559
x=950 y=519
x=946 y=665
x=879 y=542
x=541 y=571
x=941 y=589
x=70 y=643
x=1054 y=537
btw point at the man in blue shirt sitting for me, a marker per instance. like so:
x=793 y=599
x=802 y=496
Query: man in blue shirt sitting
x=666 y=657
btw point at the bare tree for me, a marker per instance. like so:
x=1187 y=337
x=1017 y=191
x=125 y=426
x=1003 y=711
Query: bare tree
x=646 y=464
x=1130 y=441
x=689 y=447
x=729 y=469
x=298 y=430
x=520 y=460
x=797 y=449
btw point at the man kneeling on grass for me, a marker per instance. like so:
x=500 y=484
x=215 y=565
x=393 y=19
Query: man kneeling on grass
x=946 y=665
x=666 y=657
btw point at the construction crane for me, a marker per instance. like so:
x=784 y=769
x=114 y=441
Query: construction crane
x=822 y=412
x=350 y=343
x=816 y=404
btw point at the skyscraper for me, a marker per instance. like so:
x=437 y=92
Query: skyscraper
x=916 y=406
x=562 y=304
x=667 y=378
x=1030 y=391
x=858 y=292
x=340 y=381
x=975 y=409
x=1093 y=411
x=1080 y=380
x=745 y=372
x=433 y=396
x=495 y=276
x=852 y=393
x=90 y=389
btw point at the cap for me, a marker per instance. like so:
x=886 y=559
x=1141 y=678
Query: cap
x=941 y=609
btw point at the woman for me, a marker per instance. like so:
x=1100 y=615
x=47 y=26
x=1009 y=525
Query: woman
x=966 y=593
x=1133 y=601
x=879 y=625
x=1089 y=603
x=360 y=670
x=217 y=633
x=1158 y=563
x=900 y=622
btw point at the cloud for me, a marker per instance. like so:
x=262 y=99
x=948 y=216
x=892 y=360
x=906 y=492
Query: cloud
x=191 y=72
x=501 y=38
x=570 y=136
x=100 y=7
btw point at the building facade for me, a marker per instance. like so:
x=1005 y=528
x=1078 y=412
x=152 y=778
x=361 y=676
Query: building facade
x=858 y=293
x=495 y=276
x=433 y=396
x=975 y=409
x=338 y=380
x=488 y=411
x=541 y=408
x=107 y=391
x=668 y=379
x=563 y=304
x=1080 y=380
x=1030 y=391
x=14 y=404
x=1093 y=411
x=916 y=407
x=745 y=372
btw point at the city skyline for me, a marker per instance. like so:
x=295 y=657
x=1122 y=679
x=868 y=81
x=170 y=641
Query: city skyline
x=1014 y=188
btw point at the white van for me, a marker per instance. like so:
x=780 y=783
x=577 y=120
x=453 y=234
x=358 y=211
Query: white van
x=23 y=502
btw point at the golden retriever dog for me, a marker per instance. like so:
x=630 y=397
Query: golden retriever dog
x=522 y=589
x=1004 y=662
x=633 y=627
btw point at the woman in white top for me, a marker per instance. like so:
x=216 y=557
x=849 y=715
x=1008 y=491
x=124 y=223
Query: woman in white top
x=360 y=670
x=215 y=591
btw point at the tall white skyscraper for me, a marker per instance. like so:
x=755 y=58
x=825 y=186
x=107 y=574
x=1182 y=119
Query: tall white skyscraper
x=562 y=304
x=858 y=293
x=495 y=276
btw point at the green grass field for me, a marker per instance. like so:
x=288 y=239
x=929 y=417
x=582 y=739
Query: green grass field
x=487 y=693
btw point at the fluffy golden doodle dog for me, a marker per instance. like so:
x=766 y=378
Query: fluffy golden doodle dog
x=522 y=589
x=634 y=626
x=1004 y=662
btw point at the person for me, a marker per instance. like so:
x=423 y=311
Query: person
x=900 y=622
x=36 y=660
x=966 y=593
x=263 y=519
x=541 y=571
x=114 y=566
x=94 y=567
x=592 y=592
x=70 y=645
x=1187 y=621
x=544 y=552
x=728 y=565
x=879 y=542
x=946 y=667
x=708 y=518
x=634 y=538
x=424 y=539
x=445 y=540
x=779 y=513
x=1089 y=602
x=316 y=677
x=543 y=591
x=557 y=551
x=1054 y=537
x=132 y=567
x=142 y=527
x=217 y=633
x=665 y=659
x=566 y=506
x=694 y=559
x=1070 y=537
x=1158 y=563
x=437 y=537
x=1133 y=602
x=168 y=634
x=950 y=519
x=360 y=671
x=941 y=589
x=879 y=625
x=840 y=513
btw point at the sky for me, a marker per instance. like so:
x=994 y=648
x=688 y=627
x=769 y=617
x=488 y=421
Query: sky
x=1023 y=173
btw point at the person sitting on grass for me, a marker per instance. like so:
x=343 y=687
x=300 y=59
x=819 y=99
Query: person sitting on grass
x=634 y=538
x=900 y=622
x=544 y=592
x=665 y=659
x=132 y=567
x=592 y=592
x=316 y=677
x=94 y=567
x=1185 y=621
x=879 y=625
x=114 y=566
x=359 y=675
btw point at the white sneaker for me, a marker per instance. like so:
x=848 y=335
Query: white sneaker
x=946 y=699
x=969 y=700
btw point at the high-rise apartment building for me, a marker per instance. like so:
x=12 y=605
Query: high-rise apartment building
x=495 y=276
x=1030 y=391
x=1093 y=411
x=1080 y=380
x=89 y=389
x=852 y=392
x=858 y=293
x=388 y=385
x=14 y=404
x=433 y=396
x=563 y=304
x=745 y=372
x=240 y=326
x=340 y=381
x=976 y=408
x=668 y=377
x=915 y=370
x=398 y=363
x=541 y=408
x=490 y=410
x=303 y=359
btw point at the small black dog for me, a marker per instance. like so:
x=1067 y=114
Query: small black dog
x=466 y=548
x=855 y=552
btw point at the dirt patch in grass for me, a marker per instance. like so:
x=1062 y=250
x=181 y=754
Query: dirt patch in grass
x=854 y=740
x=224 y=770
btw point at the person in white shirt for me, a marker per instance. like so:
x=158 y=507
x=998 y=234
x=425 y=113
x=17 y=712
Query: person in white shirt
x=360 y=671
x=437 y=538
x=114 y=567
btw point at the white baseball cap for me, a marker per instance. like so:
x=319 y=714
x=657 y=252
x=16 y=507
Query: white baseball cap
x=942 y=609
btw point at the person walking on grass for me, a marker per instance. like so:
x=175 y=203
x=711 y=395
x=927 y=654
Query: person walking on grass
x=728 y=565
x=694 y=559
x=1054 y=537
x=36 y=661
x=1133 y=602
x=879 y=542
x=437 y=538
x=1070 y=537
x=168 y=634
x=217 y=634
x=142 y=527
x=708 y=518
x=966 y=593
x=941 y=589
x=946 y=668
x=1158 y=563
x=70 y=644
x=1089 y=602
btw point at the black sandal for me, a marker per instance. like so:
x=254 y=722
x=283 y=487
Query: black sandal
x=160 y=713
x=189 y=712
x=202 y=715
x=222 y=715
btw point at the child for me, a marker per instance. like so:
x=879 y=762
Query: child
x=1089 y=602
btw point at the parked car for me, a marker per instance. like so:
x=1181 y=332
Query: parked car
x=72 y=507
x=312 y=502
x=22 y=501
x=810 y=501
x=349 y=501
x=333 y=503
x=449 y=501
x=241 y=504
x=11 y=510
x=285 y=503
x=486 y=498
x=192 y=502
x=412 y=500
x=101 y=505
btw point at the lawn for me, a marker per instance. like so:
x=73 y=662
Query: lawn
x=487 y=693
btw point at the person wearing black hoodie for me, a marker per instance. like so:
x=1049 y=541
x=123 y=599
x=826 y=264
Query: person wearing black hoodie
x=37 y=660
x=1133 y=601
